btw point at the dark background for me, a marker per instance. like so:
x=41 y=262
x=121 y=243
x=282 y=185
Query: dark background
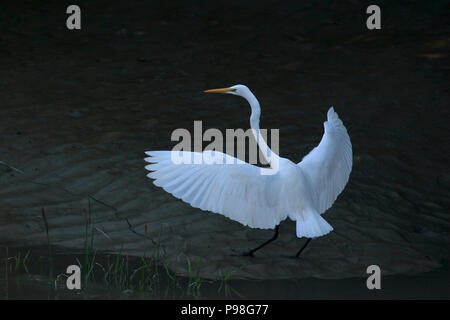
x=102 y=95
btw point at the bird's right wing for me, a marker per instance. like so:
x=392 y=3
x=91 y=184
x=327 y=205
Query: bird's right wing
x=328 y=165
x=231 y=187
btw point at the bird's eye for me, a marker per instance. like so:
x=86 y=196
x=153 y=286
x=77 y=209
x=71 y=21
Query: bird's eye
x=233 y=89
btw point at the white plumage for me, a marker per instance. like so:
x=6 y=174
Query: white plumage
x=328 y=165
x=240 y=192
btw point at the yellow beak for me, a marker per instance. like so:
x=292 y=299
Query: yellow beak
x=221 y=90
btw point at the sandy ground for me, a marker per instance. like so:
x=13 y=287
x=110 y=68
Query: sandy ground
x=78 y=110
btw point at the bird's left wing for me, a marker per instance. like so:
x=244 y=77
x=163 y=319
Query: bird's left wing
x=228 y=186
x=328 y=165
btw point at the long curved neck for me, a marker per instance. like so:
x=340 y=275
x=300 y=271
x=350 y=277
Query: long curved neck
x=271 y=157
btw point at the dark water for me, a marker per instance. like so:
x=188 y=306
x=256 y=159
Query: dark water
x=79 y=108
x=41 y=280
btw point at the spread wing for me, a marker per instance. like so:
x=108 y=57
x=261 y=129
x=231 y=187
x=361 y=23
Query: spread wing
x=228 y=186
x=328 y=165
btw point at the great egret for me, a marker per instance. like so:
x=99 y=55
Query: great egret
x=239 y=191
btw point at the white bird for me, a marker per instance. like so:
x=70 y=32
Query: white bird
x=238 y=190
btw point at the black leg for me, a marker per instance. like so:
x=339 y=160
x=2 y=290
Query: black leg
x=303 y=248
x=251 y=252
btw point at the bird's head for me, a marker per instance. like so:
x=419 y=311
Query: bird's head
x=239 y=90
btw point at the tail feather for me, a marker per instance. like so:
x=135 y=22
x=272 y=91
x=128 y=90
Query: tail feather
x=313 y=226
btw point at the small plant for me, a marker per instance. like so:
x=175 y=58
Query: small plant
x=194 y=282
x=225 y=286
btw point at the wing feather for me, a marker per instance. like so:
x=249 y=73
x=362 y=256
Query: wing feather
x=328 y=165
x=231 y=187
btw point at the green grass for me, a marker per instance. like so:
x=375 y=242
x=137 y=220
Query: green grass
x=114 y=275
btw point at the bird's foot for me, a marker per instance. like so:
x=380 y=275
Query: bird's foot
x=248 y=254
